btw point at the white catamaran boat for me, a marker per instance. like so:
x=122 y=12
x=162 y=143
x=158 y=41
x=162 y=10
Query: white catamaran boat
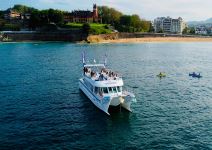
x=104 y=87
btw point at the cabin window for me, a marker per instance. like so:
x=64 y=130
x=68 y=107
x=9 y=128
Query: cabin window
x=118 y=88
x=114 y=89
x=110 y=90
x=105 y=90
x=100 y=91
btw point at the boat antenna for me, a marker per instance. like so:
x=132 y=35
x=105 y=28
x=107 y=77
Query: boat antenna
x=83 y=57
x=105 y=61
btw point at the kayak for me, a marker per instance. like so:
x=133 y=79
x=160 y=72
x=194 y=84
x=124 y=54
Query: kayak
x=194 y=75
x=161 y=75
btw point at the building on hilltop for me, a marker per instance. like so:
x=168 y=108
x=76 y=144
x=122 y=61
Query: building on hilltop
x=11 y=15
x=14 y=17
x=83 y=16
x=169 y=25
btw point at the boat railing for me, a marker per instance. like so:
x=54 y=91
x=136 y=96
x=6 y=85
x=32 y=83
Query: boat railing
x=102 y=76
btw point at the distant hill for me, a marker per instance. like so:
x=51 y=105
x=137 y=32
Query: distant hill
x=208 y=20
x=23 y=8
x=194 y=23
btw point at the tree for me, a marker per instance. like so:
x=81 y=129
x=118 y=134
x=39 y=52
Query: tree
x=136 y=23
x=1 y=14
x=161 y=31
x=11 y=27
x=145 y=25
x=86 y=28
x=35 y=20
x=192 y=30
x=2 y=23
x=125 y=20
x=44 y=16
x=115 y=16
x=103 y=12
x=109 y=15
x=186 y=30
x=55 y=16
x=151 y=28
x=23 y=8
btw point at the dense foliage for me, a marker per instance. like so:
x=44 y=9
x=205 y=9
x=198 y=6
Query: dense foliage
x=86 y=28
x=123 y=23
x=109 y=15
x=111 y=19
x=10 y=27
x=43 y=17
x=23 y=9
x=189 y=30
x=1 y=14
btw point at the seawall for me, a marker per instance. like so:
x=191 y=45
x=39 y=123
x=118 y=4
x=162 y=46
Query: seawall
x=70 y=36
x=79 y=36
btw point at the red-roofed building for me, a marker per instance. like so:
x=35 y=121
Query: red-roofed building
x=83 y=16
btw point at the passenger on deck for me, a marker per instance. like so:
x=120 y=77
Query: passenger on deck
x=101 y=77
x=92 y=73
x=115 y=76
x=103 y=70
x=110 y=74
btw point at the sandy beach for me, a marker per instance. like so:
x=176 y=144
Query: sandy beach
x=158 y=39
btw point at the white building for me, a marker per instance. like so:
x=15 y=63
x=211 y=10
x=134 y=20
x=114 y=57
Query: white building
x=201 y=30
x=169 y=25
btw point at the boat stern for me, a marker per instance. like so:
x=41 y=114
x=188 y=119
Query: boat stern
x=126 y=100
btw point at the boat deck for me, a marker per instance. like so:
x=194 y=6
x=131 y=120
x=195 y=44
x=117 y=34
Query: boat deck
x=104 y=74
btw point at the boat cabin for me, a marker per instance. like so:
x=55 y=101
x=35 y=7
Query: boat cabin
x=102 y=81
x=102 y=91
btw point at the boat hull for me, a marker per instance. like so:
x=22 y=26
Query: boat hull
x=106 y=102
x=115 y=101
x=102 y=104
x=123 y=102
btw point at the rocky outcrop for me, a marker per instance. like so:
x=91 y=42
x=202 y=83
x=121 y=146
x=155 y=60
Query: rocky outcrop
x=102 y=37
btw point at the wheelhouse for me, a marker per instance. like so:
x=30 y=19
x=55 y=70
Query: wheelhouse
x=104 y=91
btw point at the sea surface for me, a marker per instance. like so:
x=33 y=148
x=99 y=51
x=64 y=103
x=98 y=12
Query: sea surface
x=41 y=106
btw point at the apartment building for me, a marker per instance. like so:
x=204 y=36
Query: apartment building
x=169 y=25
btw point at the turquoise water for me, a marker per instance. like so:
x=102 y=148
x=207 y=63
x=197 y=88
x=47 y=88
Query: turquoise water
x=42 y=107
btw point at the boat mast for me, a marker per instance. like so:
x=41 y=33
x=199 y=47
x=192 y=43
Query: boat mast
x=83 y=58
x=105 y=60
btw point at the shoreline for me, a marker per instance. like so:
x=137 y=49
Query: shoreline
x=156 y=40
x=125 y=40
